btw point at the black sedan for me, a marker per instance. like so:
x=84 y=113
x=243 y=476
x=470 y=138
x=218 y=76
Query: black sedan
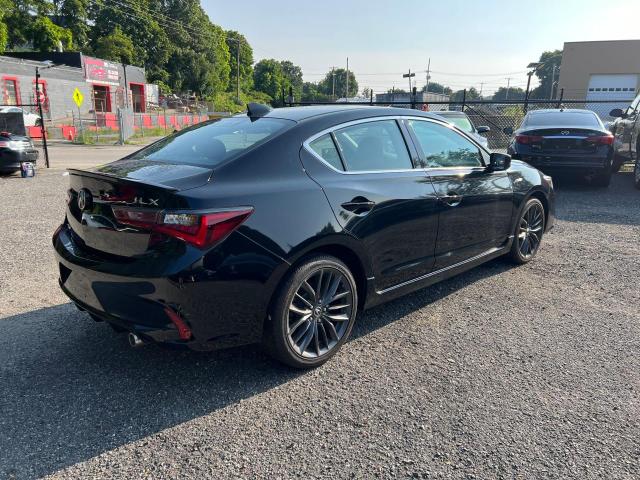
x=14 y=150
x=280 y=225
x=565 y=141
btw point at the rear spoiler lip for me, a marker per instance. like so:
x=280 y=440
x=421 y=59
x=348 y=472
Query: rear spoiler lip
x=101 y=176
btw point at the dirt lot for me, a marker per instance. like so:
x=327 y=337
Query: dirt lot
x=502 y=372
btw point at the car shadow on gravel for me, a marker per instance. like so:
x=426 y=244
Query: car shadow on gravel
x=73 y=389
x=618 y=204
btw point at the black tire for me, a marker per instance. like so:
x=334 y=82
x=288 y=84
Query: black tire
x=520 y=252
x=602 y=179
x=636 y=173
x=618 y=161
x=300 y=331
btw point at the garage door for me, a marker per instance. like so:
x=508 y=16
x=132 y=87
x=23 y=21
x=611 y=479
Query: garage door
x=612 y=87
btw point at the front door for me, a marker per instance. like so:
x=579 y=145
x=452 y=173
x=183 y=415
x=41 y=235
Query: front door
x=475 y=204
x=378 y=196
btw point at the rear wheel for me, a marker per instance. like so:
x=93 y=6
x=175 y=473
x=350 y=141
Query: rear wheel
x=313 y=313
x=529 y=231
x=636 y=173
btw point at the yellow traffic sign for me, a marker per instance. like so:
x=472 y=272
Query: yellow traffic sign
x=78 y=97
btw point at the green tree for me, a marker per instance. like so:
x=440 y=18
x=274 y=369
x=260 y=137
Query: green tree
x=435 y=87
x=74 y=15
x=339 y=75
x=47 y=36
x=5 y=5
x=545 y=72
x=472 y=94
x=293 y=77
x=269 y=78
x=234 y=41
x=515 y=93
x=311 y=93
x=116 y=47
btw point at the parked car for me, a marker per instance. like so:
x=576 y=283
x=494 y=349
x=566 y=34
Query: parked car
x=464 y=123
x=280 y=225
x=30 y=119
x=569 y=141
x=626 y=129
x=15 y=149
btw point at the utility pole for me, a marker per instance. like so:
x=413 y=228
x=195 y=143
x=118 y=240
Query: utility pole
x=347 y=95
x=508 y=83
x=480 y=94
x=43 y=130
x=409 y=75
x=333 y=79
x=428 y=76
x=553 y=77
x=238 y=69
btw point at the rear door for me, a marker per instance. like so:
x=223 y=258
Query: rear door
x=378 y=196
x=475 y=204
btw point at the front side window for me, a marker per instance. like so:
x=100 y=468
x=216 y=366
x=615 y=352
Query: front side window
x=444 y=147
x=373 y=146
x=213 y=143
x=326 y=149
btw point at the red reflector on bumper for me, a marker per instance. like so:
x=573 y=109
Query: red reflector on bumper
x=183 y=330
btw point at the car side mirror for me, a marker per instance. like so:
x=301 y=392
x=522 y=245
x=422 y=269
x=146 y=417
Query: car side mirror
x=507 y=131
x=616 y=113
x=483 y=129
x=499 y=162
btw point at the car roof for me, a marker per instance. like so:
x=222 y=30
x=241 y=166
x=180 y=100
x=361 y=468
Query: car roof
x=560 y=110
x=300 y=114
x=450 y=113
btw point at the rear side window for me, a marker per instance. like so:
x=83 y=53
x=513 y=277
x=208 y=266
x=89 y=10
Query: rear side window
x=373 y=146
x=551 y=119
x=326 y=149
x=444 y=147
x=211 y=144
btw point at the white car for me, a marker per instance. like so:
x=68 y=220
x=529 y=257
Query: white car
x=30 y=119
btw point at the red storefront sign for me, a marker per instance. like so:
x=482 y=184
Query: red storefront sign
x=101 y=71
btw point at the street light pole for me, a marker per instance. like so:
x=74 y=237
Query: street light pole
x=42 y=129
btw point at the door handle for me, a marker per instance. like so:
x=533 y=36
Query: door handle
x=358 y=205
x=452 y=199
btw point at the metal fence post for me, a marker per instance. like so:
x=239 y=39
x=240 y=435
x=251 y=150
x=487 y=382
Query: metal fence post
x=464 y=98
x=165 y=120
x=95 y=119
x=283 y=100
x=371 y=97
x=560 y=99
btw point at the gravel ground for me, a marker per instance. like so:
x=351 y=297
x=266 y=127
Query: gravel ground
x=502 y=372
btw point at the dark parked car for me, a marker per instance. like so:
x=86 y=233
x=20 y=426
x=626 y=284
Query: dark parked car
x=280 y=225
x=15 y=149
x=569 y=141
x=626 y=129
x=464 y=123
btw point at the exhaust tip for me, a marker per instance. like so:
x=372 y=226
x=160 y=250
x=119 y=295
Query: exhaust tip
x=134 y=340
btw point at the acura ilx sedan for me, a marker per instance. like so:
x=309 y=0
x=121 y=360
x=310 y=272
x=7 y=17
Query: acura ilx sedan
x=279 y=226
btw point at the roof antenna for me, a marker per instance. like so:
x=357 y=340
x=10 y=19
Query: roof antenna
x=257 y=110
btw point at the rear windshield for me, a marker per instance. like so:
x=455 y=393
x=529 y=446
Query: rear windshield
x=460 y=121
x=213 y=143
x=550 y=119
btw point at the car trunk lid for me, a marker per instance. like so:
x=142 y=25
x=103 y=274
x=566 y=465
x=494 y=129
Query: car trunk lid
x=562 y=139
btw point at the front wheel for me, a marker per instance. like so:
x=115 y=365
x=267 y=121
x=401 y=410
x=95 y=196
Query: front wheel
x=529 y=231
x=313 y=313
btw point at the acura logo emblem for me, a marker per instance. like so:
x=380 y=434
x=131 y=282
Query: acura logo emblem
x=85 y=200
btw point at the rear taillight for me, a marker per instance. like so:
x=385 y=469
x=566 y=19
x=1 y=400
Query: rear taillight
x=200 y=229
x=600 y=140
x=4 y=144
x=528 y=139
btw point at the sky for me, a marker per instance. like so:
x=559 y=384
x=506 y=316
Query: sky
x=468 y=42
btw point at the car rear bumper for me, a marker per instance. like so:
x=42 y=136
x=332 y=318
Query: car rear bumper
x=566 y=162
x=10 y=160
x=223 y=306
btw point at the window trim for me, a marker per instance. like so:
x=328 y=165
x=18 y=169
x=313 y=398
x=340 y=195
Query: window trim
x=407 y=137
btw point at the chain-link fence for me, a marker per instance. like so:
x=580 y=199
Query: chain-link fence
x=497 y=115
x=119 y=127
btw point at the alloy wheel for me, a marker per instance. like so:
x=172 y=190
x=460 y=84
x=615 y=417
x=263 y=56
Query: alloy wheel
x=530 y=230
x=319 y=312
